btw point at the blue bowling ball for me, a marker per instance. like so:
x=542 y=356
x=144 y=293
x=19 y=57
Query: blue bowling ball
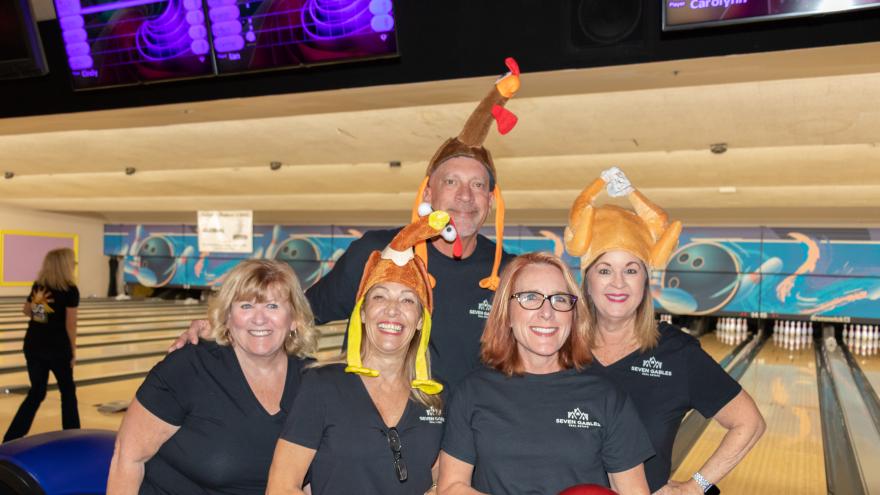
x=157 y=257
x=303 y=256
x=65 y=462
x=707 y=271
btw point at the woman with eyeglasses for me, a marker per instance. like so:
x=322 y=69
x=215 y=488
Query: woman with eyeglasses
x=663 y=369
x=372 y=423
x=532 y=421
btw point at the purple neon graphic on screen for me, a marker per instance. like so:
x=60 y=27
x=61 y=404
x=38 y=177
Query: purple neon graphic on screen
x=334 y=19
x=166 y=36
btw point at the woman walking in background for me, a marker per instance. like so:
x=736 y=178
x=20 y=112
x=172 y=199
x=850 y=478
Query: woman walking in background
x=50 y=341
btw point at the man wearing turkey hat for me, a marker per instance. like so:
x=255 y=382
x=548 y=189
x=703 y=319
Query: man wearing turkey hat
x=460 y=179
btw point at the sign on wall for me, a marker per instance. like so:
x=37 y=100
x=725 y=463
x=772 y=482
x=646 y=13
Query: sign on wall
x=226 y=231
x=22 y=253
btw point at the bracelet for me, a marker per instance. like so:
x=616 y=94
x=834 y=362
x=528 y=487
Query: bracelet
x=703 y=482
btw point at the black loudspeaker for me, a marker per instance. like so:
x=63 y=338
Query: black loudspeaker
x=598 y=23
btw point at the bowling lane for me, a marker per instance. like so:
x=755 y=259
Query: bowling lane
x=111 y=329
x=712 y=344
x=133 y=336
x=870 y=366
x=191 y=313
x=789 y=459
x=110 y=350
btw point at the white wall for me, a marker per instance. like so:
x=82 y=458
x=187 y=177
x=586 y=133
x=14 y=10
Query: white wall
x=93 y=268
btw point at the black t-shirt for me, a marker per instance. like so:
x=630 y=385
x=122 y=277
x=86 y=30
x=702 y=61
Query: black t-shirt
x=47 y=329
x=665 y=383
x=460 y=305
x=334 y=415
x=226 y=438
x=540 y=434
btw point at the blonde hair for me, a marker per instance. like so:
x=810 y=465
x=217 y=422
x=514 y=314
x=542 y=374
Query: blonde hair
x=58 y=269
x=255 y=280
x=498 y=345
x=644 y=327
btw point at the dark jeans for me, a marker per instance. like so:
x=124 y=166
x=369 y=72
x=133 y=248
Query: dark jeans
x=38 y=372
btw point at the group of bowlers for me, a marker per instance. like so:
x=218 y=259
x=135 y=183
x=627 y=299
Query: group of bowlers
x=466 y=370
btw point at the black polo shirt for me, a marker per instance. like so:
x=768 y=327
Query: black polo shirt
x=334 y=415
x=460 y=305
x=226 y=439
x=540 y=434
x=665 y=383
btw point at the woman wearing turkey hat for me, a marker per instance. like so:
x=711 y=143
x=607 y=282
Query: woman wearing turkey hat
x=372 y=423
x=663 y=370
x=532 y=421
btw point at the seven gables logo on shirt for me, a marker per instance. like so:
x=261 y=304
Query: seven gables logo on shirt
x=432 y=415
x=482 y=310
x=651 y=367
x=578 y=419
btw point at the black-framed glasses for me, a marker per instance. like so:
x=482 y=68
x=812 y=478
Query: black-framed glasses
x=534 y=300
x=396 y=454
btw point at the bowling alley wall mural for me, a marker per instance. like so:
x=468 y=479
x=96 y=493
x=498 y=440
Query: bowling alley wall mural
x=758 y=272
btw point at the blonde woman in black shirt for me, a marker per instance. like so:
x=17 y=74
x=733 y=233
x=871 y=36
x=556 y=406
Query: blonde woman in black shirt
x=50 y=341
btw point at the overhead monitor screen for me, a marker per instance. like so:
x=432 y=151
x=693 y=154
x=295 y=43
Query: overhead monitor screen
x=117 y=42
x=686 y=14
x=269 y=34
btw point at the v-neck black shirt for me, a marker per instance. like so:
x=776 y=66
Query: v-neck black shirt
x=665 y=383
x=334 y=415
x=226 y=438
x=461 y=306
x=540 y=434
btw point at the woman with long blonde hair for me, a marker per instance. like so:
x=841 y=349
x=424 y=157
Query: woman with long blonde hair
x=50 y=341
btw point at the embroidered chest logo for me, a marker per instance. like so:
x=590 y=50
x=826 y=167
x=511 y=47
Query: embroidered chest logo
x=578 y=419
x=433 y=415
x=482 y=310
x=651 y=367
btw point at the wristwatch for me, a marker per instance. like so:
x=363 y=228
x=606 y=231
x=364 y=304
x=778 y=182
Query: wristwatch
x=708 y=488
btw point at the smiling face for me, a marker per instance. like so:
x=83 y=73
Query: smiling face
x=540 y=333
x=391 y=314
x=616 y=284
x=460 y=186
x=259 y=328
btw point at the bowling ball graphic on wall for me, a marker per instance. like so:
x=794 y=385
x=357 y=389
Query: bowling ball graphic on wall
x=156 y=265
x=700 y=278
x=303 y=256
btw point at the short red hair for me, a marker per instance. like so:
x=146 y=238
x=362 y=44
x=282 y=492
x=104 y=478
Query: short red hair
x=498 y=346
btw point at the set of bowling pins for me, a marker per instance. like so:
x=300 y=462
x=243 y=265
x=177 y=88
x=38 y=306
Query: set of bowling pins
x=793 y=335
x=732 y=331
x=665 y=317
x=862 y=340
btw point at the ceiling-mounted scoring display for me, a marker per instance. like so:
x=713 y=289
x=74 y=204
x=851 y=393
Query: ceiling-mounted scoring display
x=110 y=43
x=687 y=14
x=121 y=42
x=269 y=34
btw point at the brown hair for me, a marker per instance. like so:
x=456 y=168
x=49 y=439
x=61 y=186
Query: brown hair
x=498 y=346
x=254 y=280
x=644 y=327
x=58 y=269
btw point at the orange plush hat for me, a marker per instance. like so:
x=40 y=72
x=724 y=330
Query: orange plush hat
x=469 y=143
x=398 y=263
x=645 y=233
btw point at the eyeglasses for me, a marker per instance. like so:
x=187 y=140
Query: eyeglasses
x=394 y=443
x=535 y=300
